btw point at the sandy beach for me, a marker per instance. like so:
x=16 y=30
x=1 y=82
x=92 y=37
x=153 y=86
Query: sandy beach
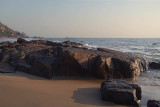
x=24 y=90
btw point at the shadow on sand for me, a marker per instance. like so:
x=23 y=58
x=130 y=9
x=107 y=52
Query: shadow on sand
x=23 y=74
x=90 y=96
x=35 y=77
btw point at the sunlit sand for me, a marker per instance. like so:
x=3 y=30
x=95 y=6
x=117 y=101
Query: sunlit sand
x=24 y=90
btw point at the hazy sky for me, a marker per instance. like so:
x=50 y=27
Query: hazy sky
x=83 y=18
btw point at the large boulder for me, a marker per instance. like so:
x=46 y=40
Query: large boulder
x=44 y=67
x=153 y=103
x=121 y=92
x=106 y=63
x=71 y=59
x=125 y=64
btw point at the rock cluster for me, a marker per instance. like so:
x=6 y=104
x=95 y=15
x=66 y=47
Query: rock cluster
x=46 y=58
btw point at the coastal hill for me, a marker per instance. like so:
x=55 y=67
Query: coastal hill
x=6 y=32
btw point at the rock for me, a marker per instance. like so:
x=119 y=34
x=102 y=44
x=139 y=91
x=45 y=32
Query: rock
x=125 y=63
x=23 y=66
x=121 y=92
x=83 y=62
x=4 y=45
x=70 y=66
x=154 y=65
x=70 y=58
x=153 y=103
x=21 y=40
x=6 y=68
x=1 y=54
x=44 y=67
x=72 y=44
x=106 y=63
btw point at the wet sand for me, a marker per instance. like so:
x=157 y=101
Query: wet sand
x=24 y=90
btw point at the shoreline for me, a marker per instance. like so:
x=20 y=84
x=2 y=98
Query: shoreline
x=31 y=90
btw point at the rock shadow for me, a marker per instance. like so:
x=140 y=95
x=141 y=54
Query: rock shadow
x=36 y=77
x=25 y=75
x=90 y=96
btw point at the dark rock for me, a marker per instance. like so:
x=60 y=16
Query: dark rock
x=21 y=40
x=23 y=66
x=153 y=103
x=44 y=67
x=72 y=44
x=4 y=45
x=70 y=58
x=1 y=54
x=121 y=92
x=154 y=65
x=107 y=64
x=50 y=43
x=6 y=68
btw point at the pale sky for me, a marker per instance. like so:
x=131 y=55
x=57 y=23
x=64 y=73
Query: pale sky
x=83 y=18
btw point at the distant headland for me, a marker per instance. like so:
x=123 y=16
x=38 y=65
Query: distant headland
x=6 y=32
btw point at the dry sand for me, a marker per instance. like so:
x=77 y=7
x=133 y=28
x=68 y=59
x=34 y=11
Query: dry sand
x=24 y=90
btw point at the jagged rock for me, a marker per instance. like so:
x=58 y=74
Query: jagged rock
x=153 y=103
x=121 y=92
x=107 y=63
x=72 y=59
x=125 y=63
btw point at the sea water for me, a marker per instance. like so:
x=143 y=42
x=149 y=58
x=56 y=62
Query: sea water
x=148 y=48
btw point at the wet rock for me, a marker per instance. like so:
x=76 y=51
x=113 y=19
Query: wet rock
x=72 y=44
x=154 y=65
x=121 y=92
x=153 y=103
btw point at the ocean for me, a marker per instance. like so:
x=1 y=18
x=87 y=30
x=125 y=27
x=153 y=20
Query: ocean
x=148 y=48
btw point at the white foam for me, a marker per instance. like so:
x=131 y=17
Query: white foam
x=90 y=46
